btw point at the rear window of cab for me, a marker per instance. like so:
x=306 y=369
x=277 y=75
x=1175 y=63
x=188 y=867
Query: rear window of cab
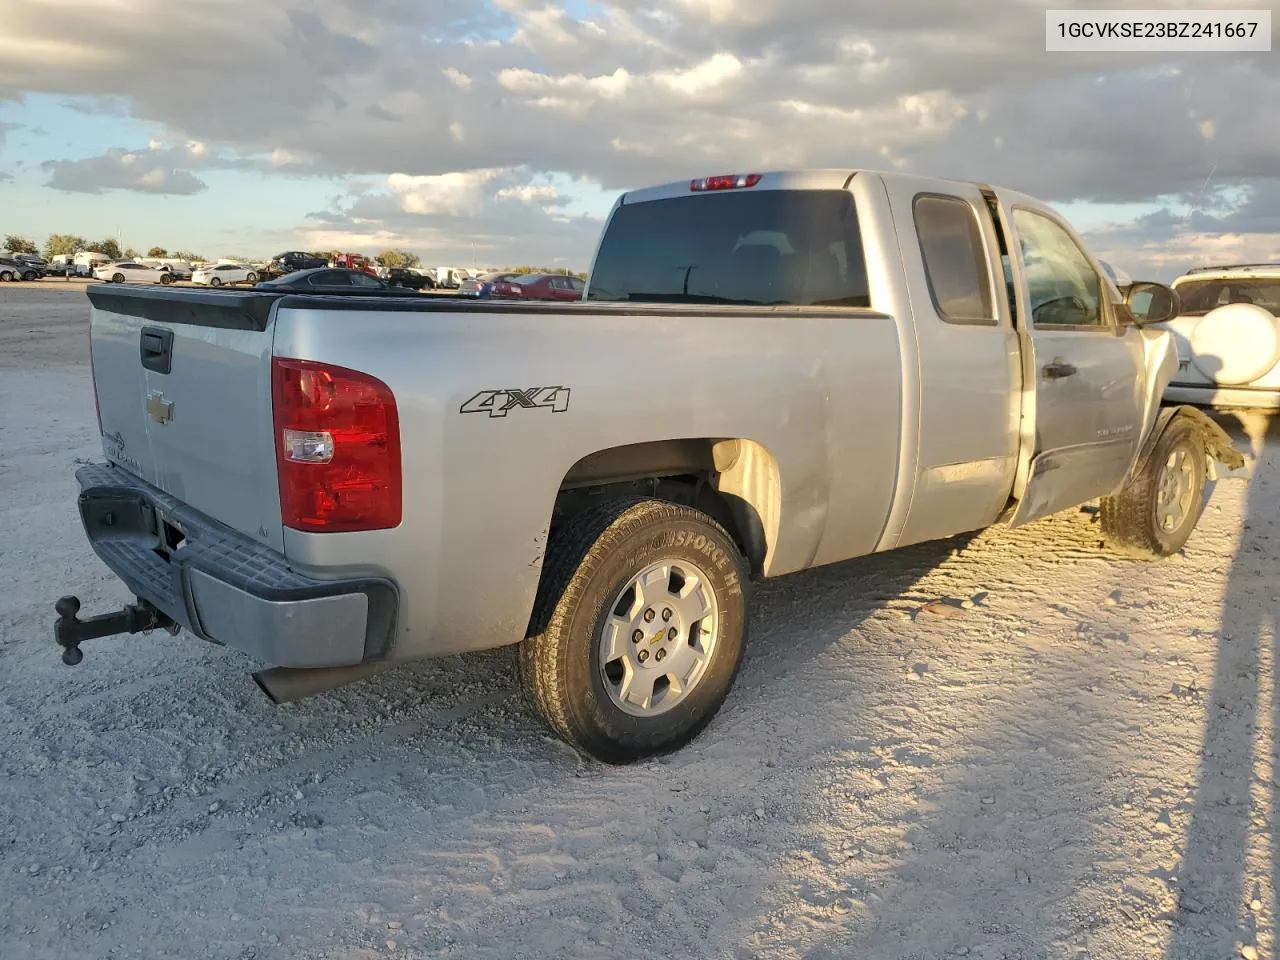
x=751 y=248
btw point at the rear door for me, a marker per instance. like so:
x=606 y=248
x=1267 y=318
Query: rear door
x=183 y=379
x=1083 y=402
x=970 y=381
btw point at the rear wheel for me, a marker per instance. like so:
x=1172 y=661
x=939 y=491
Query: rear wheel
x=117 y=278
x=215 y=281
x=7 y=276
x=1156 y=512
x=638 y=630
x=251 y=278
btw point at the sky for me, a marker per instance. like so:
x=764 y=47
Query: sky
x=499 y=132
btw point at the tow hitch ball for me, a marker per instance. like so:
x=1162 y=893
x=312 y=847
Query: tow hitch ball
x=70 y=631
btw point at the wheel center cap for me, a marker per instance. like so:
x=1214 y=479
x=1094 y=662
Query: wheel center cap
x=657 y=631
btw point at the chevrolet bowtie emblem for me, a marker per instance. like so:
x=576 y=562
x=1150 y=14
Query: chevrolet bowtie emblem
x=158 y=408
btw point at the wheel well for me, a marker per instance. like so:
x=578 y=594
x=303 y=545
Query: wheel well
x=734 y=481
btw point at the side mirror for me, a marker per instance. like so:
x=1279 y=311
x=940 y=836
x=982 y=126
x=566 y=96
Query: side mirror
x=1151 y=303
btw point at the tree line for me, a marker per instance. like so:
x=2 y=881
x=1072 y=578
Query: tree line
x=68 y=244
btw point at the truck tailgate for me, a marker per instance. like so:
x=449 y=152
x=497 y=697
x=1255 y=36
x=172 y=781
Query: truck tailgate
x=183 y=383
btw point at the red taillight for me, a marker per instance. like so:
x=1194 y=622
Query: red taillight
x=727 y=181
x=337 y=437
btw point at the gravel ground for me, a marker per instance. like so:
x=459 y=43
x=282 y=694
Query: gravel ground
x=1080 y=764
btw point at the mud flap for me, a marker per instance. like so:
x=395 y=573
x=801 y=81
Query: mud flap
x=1225 y=461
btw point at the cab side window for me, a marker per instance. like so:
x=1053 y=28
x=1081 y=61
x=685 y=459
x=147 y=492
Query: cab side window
x=955 y=265
x=1063 y=288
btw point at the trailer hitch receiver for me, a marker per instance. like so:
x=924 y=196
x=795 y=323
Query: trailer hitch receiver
x=70 y=631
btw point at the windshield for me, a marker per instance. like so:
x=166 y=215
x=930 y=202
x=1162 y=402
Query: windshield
x=1200 y=296
x=767 y=248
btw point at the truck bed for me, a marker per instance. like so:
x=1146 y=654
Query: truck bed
x=817 y=392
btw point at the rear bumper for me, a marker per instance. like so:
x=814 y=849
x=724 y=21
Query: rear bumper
x=225 y=587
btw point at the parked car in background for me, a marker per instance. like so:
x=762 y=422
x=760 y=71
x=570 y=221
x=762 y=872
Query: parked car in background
x=178 y=269
x=450 y=278
x=87 y=261
x=37 y=266
x=290 y=261
x=355 y=261
x=131 y=271
x=17 y=267
x=219 y=274
x=541 y=286
x=13 y=270
x=1228 y=337
x=326 y=278
x=482 y=286
x=408 y=277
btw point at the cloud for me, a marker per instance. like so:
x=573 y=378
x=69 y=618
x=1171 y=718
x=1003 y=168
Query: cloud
x=6 y=177
x=453 y=194
x=142 y=171
x=495 y=216
x=1224 y=226
x=442 y=93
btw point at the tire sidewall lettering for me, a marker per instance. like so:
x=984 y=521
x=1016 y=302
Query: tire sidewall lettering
x=707 y=548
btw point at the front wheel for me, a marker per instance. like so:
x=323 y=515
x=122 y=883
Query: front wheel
x=7 y=277
x=165 y=279
x=639 y=628
x=1157 y=510
x=251 y=278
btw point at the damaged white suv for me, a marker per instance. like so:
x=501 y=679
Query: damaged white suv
x=1228 y=337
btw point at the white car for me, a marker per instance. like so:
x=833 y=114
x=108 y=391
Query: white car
x=217 y=274
x=132 y=271
x=1228 y=337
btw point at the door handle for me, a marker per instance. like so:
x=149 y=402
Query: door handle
x=155 y=347
x=1057 y=370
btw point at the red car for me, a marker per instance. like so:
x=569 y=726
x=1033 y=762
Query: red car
x=354 y=261
x=539 y=286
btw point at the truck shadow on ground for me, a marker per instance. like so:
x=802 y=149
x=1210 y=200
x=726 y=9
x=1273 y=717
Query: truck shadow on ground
x=1016 y=834
x=1231 y=859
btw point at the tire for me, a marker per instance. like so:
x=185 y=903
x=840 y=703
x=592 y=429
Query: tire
x=215 y=281
x=117 y=278
x=588 y=574
x=251 y=278
x=1136 y=520
x=7 y=276
x=31 y=275
x=166 y=279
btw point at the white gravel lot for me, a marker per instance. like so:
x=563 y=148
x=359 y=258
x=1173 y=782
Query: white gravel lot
x=1080 y=765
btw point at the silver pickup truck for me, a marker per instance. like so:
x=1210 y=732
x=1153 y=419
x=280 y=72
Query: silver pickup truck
x=768 y=372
